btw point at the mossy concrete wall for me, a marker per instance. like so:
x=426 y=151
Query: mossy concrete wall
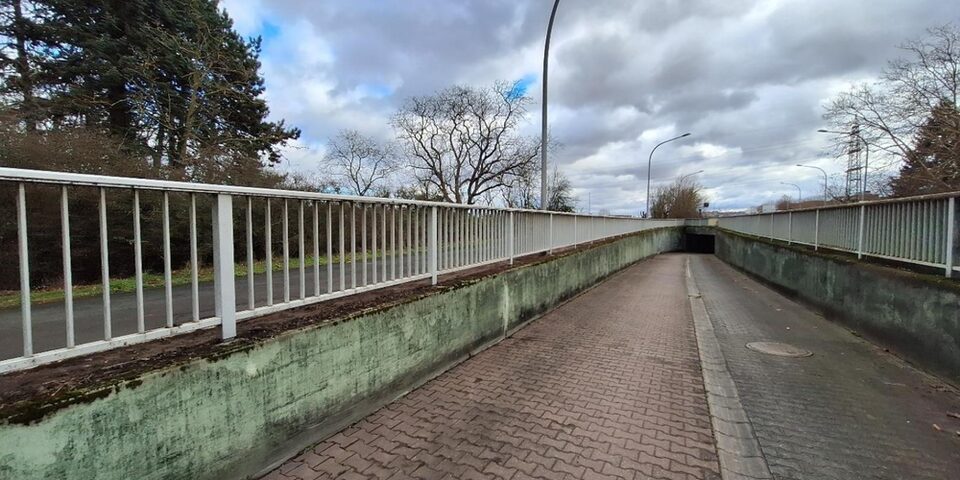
x=235 y=417
x=915 y=315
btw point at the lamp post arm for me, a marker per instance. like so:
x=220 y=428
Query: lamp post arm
x=650 y=165
x=799 y=192
x=544 y=199
x=825 y=181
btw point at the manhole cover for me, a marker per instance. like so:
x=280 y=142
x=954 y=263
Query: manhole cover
x=778 y=349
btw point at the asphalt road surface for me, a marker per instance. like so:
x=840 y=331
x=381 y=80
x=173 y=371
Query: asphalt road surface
x=851 y=410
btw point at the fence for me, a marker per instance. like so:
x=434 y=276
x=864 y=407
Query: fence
x=336 y=246
x=917 y=230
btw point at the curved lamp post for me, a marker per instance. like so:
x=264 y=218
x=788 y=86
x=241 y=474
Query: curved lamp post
x=544 y=200
x=799 y=192
x=824 y=172
x=650 y=163
x=684 y=177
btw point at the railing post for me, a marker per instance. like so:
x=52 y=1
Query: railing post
x=167 y=273
x=67 y=268
x=576 y=239
x=194 y=275
x=138 y=260
x=550 y=248
x=510 y=238
x=951 y=233
x=251 y=298
x=432 y=246
x=24 y=271
x=816 y=231
x=789 y=228
x=223 y=284
x=772 y=215
x=863 y=210
x=268 y=254
x=105 y=266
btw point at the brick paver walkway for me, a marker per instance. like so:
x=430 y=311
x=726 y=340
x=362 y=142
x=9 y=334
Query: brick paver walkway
x=606 y=386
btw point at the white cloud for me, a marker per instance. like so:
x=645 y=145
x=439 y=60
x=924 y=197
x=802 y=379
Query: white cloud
x=247 y=15
x=747 y=78
x=302 y=157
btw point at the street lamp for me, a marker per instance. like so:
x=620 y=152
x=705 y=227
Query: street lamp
x=683 y=177
x=799 y=192
x=824 y=172
x=866 y=155
x=543 y=115
x=650 y=163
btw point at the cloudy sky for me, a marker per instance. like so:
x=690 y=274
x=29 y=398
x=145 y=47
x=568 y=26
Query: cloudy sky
x=748 y=79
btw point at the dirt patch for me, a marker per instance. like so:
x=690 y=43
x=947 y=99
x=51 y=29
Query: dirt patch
x=29 y=395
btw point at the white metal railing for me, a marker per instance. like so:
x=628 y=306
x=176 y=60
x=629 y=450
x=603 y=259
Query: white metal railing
x=368 y=243
x=918 y=230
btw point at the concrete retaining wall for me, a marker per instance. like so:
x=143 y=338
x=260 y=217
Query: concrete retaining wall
x=236 y=416
x=915 y=315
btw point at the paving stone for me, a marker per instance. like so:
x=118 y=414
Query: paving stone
x=590 y=390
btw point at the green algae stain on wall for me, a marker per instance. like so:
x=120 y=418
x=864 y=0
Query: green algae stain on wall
x=913 y=314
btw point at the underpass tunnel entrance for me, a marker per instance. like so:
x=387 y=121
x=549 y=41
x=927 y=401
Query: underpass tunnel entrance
x=698 y=243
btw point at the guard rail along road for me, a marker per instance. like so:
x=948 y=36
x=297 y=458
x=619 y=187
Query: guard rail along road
x=367 y=243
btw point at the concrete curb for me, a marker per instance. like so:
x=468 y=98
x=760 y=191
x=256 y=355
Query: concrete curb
x=737 y=446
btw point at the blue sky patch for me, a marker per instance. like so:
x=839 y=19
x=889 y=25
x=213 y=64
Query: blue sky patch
x=521 y=86
x=269 y=30
x=375 y=90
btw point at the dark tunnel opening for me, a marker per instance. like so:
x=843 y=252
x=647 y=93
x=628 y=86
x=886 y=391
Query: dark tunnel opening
x=695 y=243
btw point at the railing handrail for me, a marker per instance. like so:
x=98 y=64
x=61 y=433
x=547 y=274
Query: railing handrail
x=415 y=239
x=110 y=181
x=882 y=201
x=920 y=230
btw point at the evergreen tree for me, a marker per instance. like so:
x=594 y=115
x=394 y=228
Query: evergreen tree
x=933 y=165
x=169 y=79
x=145 y=88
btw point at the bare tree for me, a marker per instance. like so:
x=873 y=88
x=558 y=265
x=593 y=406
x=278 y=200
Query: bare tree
x=464 y=141
x=363 y=164
x=680 y=199
x=415 y=188
x=561 y=193
x=891 y=111
x=786 y=202
x=306 y=183
x=523 y=190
